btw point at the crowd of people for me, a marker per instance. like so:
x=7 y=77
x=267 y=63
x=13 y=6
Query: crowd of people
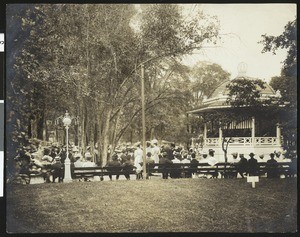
x=49 y=161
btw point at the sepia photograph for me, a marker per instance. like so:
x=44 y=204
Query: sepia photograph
x=151 y=118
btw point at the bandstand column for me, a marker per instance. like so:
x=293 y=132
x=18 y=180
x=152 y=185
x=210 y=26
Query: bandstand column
x=278 y=134
x=253 y=131
x=205 y=133
x=220 y=136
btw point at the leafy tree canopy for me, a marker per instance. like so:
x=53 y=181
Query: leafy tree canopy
x=287 y=40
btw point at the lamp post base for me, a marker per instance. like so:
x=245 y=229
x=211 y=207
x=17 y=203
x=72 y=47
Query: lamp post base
x=67 y=178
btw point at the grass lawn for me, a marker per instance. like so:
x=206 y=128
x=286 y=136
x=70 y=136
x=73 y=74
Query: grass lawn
x=183 y=205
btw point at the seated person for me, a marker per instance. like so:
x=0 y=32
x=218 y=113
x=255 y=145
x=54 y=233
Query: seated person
x=186 y=160
x=232 y=164
x=114 y=165
x=88 y=163
x=127 y=166
x=242 y=166
x=78 y=162
x=252 y=165
x=176 y=171
x=165 y=164
x=150 y=163
x=272 y=167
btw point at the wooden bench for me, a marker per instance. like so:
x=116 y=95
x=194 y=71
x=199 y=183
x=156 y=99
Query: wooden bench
x=227 y=170
x=88 y=172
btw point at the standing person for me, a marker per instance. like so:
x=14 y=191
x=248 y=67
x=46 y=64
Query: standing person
x=242 y=165
x=114 y=166
x=253 y=165
x=138 y=161
x=272 y=167
x=46 y=162
x=148 y=148
x=155 y=151
x=194 y=164
x=165 y=164
x=57 y=170
x=25 y=166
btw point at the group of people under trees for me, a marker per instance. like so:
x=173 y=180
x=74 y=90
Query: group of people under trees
x=49 y=161
x=128 y=159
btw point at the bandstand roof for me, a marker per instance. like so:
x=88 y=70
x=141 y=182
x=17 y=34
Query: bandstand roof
x=217 y=99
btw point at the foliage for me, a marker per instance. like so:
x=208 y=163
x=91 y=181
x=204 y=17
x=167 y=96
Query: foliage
x=244 y=92
x=206 y=78
x=286 y=83
x=287 y=40
x=288 y=89
x=66 y=61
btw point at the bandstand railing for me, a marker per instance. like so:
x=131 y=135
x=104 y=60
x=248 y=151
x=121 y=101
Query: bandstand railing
x=244 y=141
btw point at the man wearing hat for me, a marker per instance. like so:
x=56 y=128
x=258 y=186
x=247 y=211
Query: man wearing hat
x=252 y=165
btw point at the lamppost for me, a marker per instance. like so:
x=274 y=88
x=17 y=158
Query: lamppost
x=67 y=121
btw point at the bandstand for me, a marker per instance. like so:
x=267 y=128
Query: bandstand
x=252 y=134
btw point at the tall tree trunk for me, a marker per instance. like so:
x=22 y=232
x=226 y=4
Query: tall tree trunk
x=105 y=137
x=40 y=126
x=29 y=129
x=152 y=133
